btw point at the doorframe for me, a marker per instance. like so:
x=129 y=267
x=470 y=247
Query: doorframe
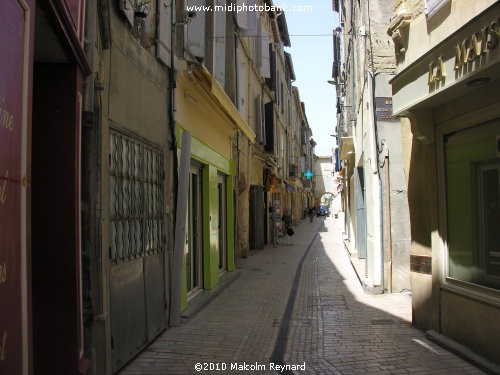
x=196 y=168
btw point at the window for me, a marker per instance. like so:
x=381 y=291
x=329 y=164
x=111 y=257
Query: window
x=433 y=6
x=472 y=168
x=142 y=21
x=136 y=199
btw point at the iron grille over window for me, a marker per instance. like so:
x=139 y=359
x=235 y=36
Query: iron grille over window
x=136 y=199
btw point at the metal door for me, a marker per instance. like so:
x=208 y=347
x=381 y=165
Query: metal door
x=221 y=189
x=359 y=201
x=138 y=309
x=257 y=217
x=194 y=233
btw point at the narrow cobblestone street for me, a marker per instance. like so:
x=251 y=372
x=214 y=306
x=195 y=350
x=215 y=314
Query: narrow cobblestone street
x=334 y=328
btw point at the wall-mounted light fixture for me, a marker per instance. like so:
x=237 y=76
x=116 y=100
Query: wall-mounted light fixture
x=478 y=81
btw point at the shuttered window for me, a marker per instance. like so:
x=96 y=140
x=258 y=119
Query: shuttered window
x=196 y=31
x=219 y=46
x=241 y=17
x=259 y=121
x=163 y=46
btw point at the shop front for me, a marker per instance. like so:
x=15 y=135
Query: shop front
x=451 y=99
x=205 y=111
x=41 y=89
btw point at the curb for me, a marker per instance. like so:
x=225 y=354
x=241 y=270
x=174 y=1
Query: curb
x=207 y=296
x=463 y=352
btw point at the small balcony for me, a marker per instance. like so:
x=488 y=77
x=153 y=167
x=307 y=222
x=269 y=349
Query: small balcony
x=345 y=136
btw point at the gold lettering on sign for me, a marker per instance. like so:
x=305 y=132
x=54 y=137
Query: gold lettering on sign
x=478 y=44
x=494 y=35
x=3 y=272
x=3 y=188
x=437 y=74
x=3 y=344
x=461 y=54
x=6 y=118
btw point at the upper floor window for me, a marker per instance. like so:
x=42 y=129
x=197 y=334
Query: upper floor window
x=149 y=21
x=433 y=6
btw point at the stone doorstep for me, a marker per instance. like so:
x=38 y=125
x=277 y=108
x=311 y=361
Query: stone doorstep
x=208 y=295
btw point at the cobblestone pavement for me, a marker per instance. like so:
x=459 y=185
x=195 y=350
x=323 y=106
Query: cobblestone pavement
x=334 y=328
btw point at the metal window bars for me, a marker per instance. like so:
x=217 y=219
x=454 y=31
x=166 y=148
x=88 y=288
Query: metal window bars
x=136 y=199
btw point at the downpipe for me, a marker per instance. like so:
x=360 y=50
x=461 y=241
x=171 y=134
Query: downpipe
x=375 y=157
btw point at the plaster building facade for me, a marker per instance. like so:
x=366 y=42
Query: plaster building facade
x=445 y=90
x=127 y=180
x=374 y=189
x=325 y=182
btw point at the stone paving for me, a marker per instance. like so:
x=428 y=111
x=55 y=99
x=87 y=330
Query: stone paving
x=334 y=328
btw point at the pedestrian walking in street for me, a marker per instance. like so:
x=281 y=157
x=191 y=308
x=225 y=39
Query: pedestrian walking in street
x=288 y=230
x=311 y=213
x=276 y=225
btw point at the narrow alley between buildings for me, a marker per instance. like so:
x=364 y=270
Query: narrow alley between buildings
x=299 y=305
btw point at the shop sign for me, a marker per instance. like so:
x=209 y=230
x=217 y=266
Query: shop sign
x=480 y=43
x=308 y=174
x=12 y=77
x=436 y=71
x=383 y=109
x=467 y=51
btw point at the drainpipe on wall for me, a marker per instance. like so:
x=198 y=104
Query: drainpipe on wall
x=388 y=226
x=376 y=151
x=236 y=187
x=376 y=170
x=172 y=84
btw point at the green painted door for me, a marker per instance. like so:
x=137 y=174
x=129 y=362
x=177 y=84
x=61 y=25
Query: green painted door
x=194 y=240
x=221 y=190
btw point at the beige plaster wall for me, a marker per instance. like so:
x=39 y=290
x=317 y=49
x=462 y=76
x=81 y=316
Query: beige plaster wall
x=137 y=103
x=243 y=204
x=425 y=33
x=470 y=327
